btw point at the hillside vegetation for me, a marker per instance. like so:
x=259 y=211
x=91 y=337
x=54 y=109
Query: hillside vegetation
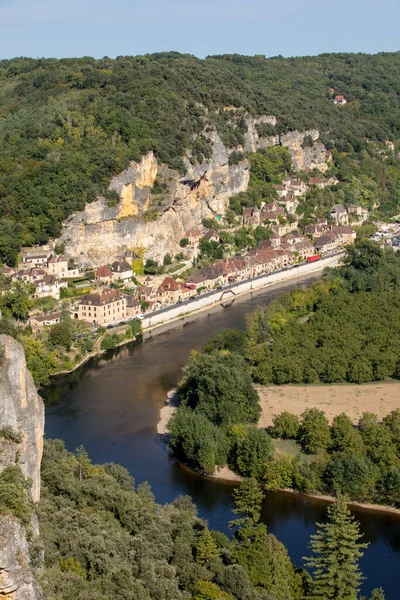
x=66 y=126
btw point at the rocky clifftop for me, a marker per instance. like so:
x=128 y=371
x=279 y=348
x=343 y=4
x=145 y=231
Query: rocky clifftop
x=22 y=410
x=156 y=217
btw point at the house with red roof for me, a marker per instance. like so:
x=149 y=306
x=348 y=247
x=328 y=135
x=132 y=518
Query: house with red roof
x=169 y=291
x=340 y=100
x=104 y=275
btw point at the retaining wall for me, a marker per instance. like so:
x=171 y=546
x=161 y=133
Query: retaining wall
x=241 y=287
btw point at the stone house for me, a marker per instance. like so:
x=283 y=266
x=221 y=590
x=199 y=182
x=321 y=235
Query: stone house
x=104 y=275
x=211 y=235
x=49 y=286
x=39 y=321
x=121 y=271
x=304 y=248
x=105 y=307
x=57 y=266
x=339 y=100
x=146 y=293
x=169 y=291
x=251 y=216
x=328 y=242
x=36 y=257
x=339 y=214
x=280 y=189
x=289 y=203
x=193 y=236
x=317 y=181
x=133 y=307
x=346 y=232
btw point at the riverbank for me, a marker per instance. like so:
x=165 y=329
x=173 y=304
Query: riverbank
x=226 y=474
x=181 y=320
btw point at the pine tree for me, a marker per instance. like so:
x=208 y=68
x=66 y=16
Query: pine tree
x=336 y=552
x=206 y=548
x=248 y=500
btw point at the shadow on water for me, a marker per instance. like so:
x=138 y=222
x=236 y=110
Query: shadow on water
x=111 y=406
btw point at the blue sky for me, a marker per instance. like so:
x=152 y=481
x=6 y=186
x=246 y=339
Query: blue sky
x=128 y=27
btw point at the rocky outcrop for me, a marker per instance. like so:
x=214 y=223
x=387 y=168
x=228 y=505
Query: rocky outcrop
x=304 y=156
x=22 y=412
x=16 y=579
x=155 y=222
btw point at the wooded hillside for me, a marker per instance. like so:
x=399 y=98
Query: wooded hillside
x=66 y=126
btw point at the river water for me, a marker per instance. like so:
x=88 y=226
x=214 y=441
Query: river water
x=111 y=406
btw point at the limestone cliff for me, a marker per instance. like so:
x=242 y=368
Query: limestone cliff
x=155 y=220
x=22 y=410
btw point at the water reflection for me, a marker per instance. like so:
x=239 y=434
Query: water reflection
x=112 y=407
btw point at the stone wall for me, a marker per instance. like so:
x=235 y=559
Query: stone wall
x=241 y=287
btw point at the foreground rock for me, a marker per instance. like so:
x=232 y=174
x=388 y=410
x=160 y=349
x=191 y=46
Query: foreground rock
x=22 y=412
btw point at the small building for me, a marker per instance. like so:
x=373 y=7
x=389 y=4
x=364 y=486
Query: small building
x=146 y=293
x=339 y=214
x=169 y=291
x=251 y=216
x=326 y=243
x=133 y=307
x=102 y=308
x=57 y=266
x=121 y=271
x=211 y=235
x=317 y=181
x=39 y=321
x=104 y=275
x=49 y=286
x=304 y=248
x=193 y=236
x=340 y=100
x=36 y=257
x=346 y=232
x=280 y=189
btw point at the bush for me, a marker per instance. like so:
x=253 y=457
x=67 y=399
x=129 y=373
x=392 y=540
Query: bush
x=8 y=433
x=251 y=452
x=107 y=343
x=13 y=494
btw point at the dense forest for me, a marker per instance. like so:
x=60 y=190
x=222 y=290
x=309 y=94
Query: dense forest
x=66 y=126
x=341 y=329
x=103 y=537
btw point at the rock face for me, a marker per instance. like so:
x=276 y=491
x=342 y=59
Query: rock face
x=23 y=411
x=155 y=222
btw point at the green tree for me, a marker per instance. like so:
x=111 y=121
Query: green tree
x=314 y=430
x=206 y=548
x=18 y=300
x=248 y=499
x=219 y=386
x=336 y=552
x=286 y=426
x=252 y=451
x=60 y=336
x=345 y=437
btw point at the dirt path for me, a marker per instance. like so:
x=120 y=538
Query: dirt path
x=378 y=398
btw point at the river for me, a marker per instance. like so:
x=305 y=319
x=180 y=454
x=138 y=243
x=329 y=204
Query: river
x=111 y=406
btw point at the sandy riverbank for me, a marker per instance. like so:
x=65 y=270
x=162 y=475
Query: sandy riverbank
x=166 y=412
x=379 y=398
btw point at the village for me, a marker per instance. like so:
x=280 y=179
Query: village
x=108 y=295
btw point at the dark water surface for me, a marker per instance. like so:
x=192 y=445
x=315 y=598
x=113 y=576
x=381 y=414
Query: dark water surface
x=112 y=407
